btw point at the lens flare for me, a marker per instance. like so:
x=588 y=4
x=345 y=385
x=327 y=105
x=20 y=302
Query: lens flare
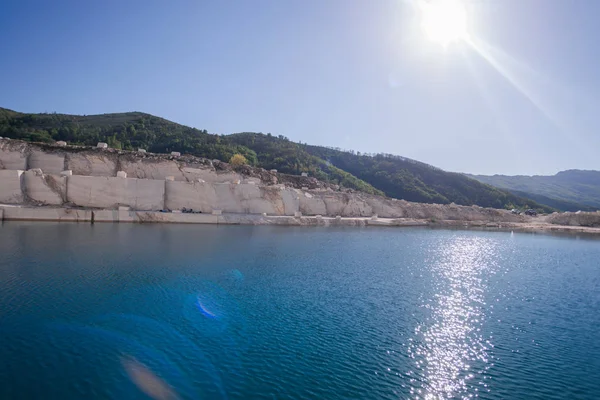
x=147 y=381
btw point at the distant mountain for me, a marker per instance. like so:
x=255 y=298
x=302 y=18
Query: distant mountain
x=382 y=174
x=570 y=190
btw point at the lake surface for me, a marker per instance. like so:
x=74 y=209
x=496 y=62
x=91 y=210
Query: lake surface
x=189 y=311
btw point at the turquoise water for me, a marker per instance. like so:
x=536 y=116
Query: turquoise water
x=175 y=311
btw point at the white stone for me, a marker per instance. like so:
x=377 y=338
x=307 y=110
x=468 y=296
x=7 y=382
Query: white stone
x=264 y=214
x=45 y=189
x=194 y=195
x=50 y=163
x=169 y=178
x=374 y=217
x=318 y=216
x=297 y=214
x=236 y=182
x=248 y=199
x=61 y=143
x=155 y=216
x=338 y=217
x=289 y=202
x=176 y=211
x=13 y=158
x=121 y=174
x=208 y=174
x=10 y=184
x=47 y=214
x=111 y=192
x=67 y=172
x=142 y=168
x=347 y=205
x=175 y=153
x=305 y=174
x=311 y=205
x=37 y=171
x=114 y=216
x=274 y=170
x=92 y=164
x=304 y=187
x=150 y=216
x=217 y=212
x=141 y=150
x=201 y=180
x=101 y=145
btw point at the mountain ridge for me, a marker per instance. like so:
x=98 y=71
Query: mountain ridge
x=576 y=186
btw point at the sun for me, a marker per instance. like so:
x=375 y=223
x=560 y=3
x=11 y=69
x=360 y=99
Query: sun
x=444 y=21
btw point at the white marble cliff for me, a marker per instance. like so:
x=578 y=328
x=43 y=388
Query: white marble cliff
x=75 y=177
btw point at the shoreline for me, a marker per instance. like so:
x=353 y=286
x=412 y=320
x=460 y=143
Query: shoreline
x=61 y=214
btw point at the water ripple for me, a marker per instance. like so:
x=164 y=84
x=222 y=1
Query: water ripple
x=267 y=312
x=449 y=348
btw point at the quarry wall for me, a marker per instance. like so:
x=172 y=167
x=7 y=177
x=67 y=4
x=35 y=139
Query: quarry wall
x=74 y=176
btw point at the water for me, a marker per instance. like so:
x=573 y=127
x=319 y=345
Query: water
x=176 y=311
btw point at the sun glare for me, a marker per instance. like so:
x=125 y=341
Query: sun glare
x=444 y=21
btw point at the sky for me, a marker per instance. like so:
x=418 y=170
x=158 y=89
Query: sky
x=521 y=96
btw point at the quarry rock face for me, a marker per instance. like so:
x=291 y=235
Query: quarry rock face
x=104 y=178
x=13 y=154
x=45 y=189
x=10 y=186
x=91 y=163
x=112 y=192
x=48 y=162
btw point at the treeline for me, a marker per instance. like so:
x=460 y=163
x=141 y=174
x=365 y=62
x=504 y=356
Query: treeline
x=127 y=131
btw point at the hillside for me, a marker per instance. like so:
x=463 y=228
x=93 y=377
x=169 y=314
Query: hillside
x=126 y=131
x=577 y=189
x=382 y=174
x=555 y=203
x=396 y=176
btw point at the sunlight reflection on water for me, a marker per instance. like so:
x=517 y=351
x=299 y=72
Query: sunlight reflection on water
x=449 y=348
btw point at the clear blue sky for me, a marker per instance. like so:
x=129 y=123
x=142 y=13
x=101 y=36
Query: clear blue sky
x=355 y=74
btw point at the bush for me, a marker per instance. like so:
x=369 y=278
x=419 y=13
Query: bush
x=237 y=160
